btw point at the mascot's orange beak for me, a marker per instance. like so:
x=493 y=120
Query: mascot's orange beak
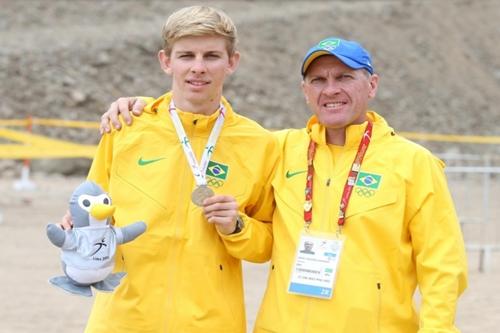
x=101 y=211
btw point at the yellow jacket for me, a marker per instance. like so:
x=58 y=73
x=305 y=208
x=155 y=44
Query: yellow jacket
x=400 y=231
x=180 y=275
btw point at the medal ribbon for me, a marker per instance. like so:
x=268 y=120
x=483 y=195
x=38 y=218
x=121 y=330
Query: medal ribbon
x=351 y=178
x=200 y=169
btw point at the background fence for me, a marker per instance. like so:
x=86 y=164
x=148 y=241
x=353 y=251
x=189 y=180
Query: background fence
x=474 y=179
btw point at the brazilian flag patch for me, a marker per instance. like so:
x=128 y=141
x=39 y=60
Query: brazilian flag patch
x=368 y=180
x=217 y=170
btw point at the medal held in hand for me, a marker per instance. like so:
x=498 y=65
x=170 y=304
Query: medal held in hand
x=200 y=193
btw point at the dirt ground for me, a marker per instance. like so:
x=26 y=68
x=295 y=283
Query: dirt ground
x=29 y=304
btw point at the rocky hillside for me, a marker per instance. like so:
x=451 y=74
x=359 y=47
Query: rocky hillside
x=439 y=61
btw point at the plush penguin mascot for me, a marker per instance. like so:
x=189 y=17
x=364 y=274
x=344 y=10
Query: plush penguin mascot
x=88 y=249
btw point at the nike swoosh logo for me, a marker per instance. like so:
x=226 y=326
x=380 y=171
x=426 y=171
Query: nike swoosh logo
x=143 y=162
x=291 y=174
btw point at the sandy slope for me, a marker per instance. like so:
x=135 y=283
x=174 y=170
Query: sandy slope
x=439 y=64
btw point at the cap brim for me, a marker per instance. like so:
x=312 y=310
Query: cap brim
x=318 y=53
x=311 y=57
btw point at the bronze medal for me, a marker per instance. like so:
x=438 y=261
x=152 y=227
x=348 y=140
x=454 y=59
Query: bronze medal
x=200 y=193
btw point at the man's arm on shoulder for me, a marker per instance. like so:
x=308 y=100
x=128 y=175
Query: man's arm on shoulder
x=123 y=107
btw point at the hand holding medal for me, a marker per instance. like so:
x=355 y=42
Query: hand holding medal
x=222 y=210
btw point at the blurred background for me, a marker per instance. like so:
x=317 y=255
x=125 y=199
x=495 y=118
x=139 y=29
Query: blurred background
x=438 y=60
x=439 y=63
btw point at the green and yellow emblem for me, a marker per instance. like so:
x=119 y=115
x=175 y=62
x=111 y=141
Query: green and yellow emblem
x=217 y=170
x=367 y=184
x=368 y=180
x=329 y=44
x=216 y=173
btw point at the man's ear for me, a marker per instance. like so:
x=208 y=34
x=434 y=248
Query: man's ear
x=373 y=85
x=303 y=86
x=234 y=61
x=164 y=60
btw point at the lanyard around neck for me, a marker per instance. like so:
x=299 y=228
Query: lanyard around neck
x=200 y=169
x=351 y=178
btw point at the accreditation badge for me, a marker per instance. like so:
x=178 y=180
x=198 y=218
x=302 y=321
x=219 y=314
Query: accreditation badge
x=316 y=263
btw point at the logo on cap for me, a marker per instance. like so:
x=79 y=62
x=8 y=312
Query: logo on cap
x=329 y=44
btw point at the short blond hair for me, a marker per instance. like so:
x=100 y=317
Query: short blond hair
x=199 y=21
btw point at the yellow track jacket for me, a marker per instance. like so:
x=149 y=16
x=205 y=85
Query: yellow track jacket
x=401 y=230
x=180 y=275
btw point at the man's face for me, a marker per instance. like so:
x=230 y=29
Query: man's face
x=198 y=66
x=337 y=94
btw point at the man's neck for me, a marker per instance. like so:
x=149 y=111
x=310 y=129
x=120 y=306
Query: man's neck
x=335 y=136
x=206 y=108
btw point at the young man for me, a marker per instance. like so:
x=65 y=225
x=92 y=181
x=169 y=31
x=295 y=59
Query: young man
x=374 y=206
x=183 y=168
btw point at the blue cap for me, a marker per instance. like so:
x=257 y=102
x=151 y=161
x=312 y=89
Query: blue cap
x=352 y=54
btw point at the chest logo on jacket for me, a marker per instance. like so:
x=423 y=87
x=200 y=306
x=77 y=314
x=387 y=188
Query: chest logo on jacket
x=291 y=174
x=142 y=161
x=367 y=184
x=216 y=173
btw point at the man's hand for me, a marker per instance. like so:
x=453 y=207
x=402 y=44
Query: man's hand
x=66 y=221
x=122 y=106
x=221 y=210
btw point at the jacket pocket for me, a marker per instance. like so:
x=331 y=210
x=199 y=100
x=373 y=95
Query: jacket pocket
x=290 y=183
x=358 y=297
x=379 y=305
x=364 y=200
x=151 y=183
x=209 y=292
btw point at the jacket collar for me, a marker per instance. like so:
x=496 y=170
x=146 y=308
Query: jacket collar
x=317 y=131
x=161 y=105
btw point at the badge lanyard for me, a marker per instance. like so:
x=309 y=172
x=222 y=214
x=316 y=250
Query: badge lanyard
x=351 y=178
x=200 y=169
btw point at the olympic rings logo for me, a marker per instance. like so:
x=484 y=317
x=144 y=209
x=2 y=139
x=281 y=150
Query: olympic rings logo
x=214 y=182
x=364 y=192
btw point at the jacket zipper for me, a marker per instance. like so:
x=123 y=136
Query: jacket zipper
x=379 y=304
x=175 y=249
x=328 y=205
